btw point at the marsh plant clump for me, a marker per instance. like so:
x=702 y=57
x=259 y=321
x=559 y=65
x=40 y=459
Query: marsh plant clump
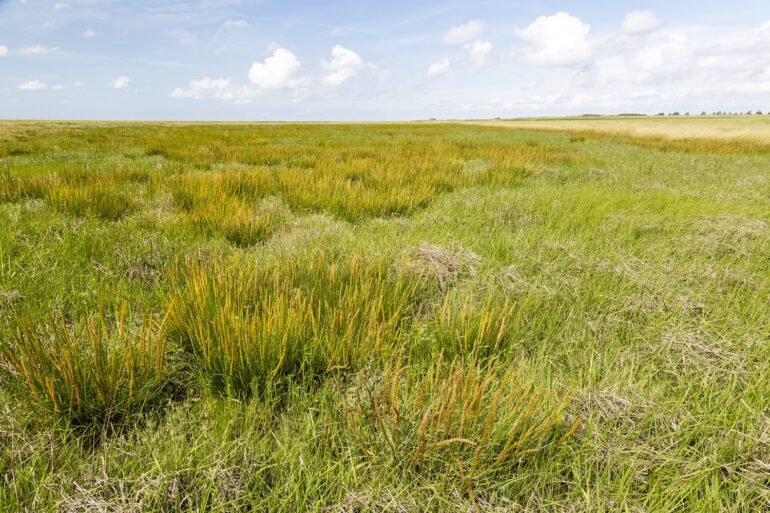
x=311 y=312
x=92 y=375
x=460 y=419
x=384 y=317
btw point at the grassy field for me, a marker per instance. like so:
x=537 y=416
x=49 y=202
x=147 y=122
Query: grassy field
x=389 y=317
x=753 y=129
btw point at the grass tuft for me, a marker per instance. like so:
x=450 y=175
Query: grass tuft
x=99 y=199
x=464 y=326
x=14 y=188
x=97 y=374
x=248 y=324
x=462 y=420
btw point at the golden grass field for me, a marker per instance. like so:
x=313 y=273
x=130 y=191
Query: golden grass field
x=750 y=128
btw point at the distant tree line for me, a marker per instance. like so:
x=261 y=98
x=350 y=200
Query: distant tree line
x=716 y=113
x=677 y=113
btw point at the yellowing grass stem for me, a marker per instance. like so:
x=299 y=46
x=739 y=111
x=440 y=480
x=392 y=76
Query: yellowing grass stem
x=102 y=371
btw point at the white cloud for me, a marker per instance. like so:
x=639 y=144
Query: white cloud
x=464 y=33
x=213 y=88
x=235 y=24
x=752 y=88
x=61 y=6
x=667 y=53
x=684 y=68
x=120 y=82
x=345 y=64
x=3 y=50
x=277 y=71
x=478 y=53
x=640 y=22
x=692 y=56
x=61 y=87
x=557 y=40
x=38 y=50
x=88 y=34
x=31 y=85
x=563 y=102
x=438 y=69
x=186 y=39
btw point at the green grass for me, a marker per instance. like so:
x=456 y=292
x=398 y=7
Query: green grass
x=94 y=376
x=385 y=317
x=312 y=312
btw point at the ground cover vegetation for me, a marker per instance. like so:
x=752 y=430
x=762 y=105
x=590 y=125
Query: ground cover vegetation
x=381 y=317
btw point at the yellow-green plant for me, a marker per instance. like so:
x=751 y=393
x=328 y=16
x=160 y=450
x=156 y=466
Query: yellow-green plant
x=240 y=224
x=226 y=203
x=100 y=199
x=191 y=191
x=96 y=373
x=248 y=324
x=13 y=188
x=465 y=326
x=465 y=419
x=339 y=176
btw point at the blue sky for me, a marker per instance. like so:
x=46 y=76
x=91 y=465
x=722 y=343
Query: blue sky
x=365 y=60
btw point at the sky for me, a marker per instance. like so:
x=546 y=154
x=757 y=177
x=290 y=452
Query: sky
x=379 y=60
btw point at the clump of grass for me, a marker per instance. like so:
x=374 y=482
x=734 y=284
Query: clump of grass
x=236 y=332
x=463 y=326
x=191 y=191
x=248 y=324
x=97 y=374
x=98 y=199
x=359 y=196
x=240 y=224
x=464 y=420
x=14 y=188
x=225 y=203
